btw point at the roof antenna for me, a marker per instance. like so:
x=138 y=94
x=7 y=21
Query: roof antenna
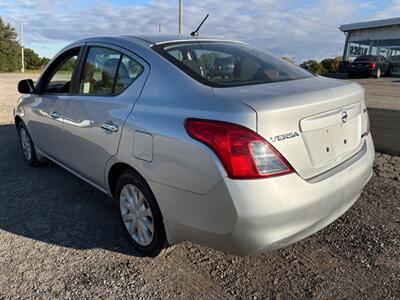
x=196 y=32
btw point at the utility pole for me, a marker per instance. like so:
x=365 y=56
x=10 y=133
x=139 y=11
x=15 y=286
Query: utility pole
x=180 y=17
x=22 y=47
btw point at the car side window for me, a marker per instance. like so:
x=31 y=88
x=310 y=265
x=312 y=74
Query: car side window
x=99 y=71
x=107 y=72
x=60 y=75
x=129 y=69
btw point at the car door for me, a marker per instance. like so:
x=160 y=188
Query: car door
x=111 y=81
x=49 y=103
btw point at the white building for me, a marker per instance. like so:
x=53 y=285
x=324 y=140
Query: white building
x=381 y=37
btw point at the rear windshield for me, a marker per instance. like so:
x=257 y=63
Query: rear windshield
x=227 y=64
x=366 y=58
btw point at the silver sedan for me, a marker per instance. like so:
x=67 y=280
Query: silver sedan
x=200 y=139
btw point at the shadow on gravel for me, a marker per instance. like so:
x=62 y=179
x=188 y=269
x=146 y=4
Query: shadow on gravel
x=49 y=204
x=385 y=129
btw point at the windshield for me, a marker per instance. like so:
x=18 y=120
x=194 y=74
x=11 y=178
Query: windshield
x=226 y=64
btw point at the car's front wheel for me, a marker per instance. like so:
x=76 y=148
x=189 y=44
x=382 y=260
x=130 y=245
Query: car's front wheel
x=140 y=215
x=27 y=145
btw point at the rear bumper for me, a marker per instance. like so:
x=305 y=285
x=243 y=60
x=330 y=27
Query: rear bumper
x=248 y=216
x=362 y=72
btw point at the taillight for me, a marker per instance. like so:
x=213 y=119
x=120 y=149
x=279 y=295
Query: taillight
x=243 y=153
x=372 y=65
x=350 y=66
x=368 y=127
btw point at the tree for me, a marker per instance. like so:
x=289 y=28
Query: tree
x=331 y=65
x=33 y=61
x=10 y=49
x=313 y=66
x=44 y=61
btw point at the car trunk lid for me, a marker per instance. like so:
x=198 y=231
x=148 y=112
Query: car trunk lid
x=315 y=123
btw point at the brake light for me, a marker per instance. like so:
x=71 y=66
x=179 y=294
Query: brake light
x=368 y=127
x=350 y=66
x=372 y=65
x=243 y=153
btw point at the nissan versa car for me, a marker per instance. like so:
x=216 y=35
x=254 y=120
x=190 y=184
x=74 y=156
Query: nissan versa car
x=200 y=139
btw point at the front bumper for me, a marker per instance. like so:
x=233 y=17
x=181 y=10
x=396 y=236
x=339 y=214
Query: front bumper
x=244 y=217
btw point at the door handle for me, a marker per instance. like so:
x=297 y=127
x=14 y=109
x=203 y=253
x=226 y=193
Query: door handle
x=109 y=127
x=55 y=115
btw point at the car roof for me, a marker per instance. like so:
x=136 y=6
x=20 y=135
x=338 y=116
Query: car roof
x=168 y=38
x=145 y=41
x=149 y=40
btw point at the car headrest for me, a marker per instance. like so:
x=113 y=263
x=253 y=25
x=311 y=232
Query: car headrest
x=109 y=68
x=123 y=71
x=248 y=68
x=194 y=66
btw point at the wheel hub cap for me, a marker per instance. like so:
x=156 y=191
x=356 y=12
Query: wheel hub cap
x=26 y=144
x=137 y=215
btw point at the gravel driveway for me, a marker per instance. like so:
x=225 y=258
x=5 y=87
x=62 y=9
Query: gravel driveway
x=59 y=238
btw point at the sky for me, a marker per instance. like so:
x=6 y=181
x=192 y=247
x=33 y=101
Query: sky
x=299 y=29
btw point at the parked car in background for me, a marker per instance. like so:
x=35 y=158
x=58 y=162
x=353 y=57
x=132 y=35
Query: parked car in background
x=369 y=65
x=394 y=64
x=200 y=139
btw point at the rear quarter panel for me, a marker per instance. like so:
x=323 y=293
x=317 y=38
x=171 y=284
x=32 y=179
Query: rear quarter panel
x=178 y=161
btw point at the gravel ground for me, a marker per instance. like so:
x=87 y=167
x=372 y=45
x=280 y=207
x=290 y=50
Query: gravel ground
x=59 y=238
x=9 y=93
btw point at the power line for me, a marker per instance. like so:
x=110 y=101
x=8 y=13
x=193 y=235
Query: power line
x=298 y=16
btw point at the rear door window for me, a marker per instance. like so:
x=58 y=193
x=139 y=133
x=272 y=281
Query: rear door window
x=107 y=72
x=129 y=69
x=99 y=71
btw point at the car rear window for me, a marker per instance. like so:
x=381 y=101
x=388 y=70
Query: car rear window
x=366 y=58
x=227 y=64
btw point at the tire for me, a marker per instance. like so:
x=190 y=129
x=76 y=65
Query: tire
x=378 y=73
x=350 y=76
x=140 y=216
x=27 y=146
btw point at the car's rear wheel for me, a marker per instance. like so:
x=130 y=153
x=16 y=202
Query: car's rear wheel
x=140 y=215
x=27 y=145
x=378 y=73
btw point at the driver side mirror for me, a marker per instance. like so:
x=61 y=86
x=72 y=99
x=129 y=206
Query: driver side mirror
x=26 y=86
